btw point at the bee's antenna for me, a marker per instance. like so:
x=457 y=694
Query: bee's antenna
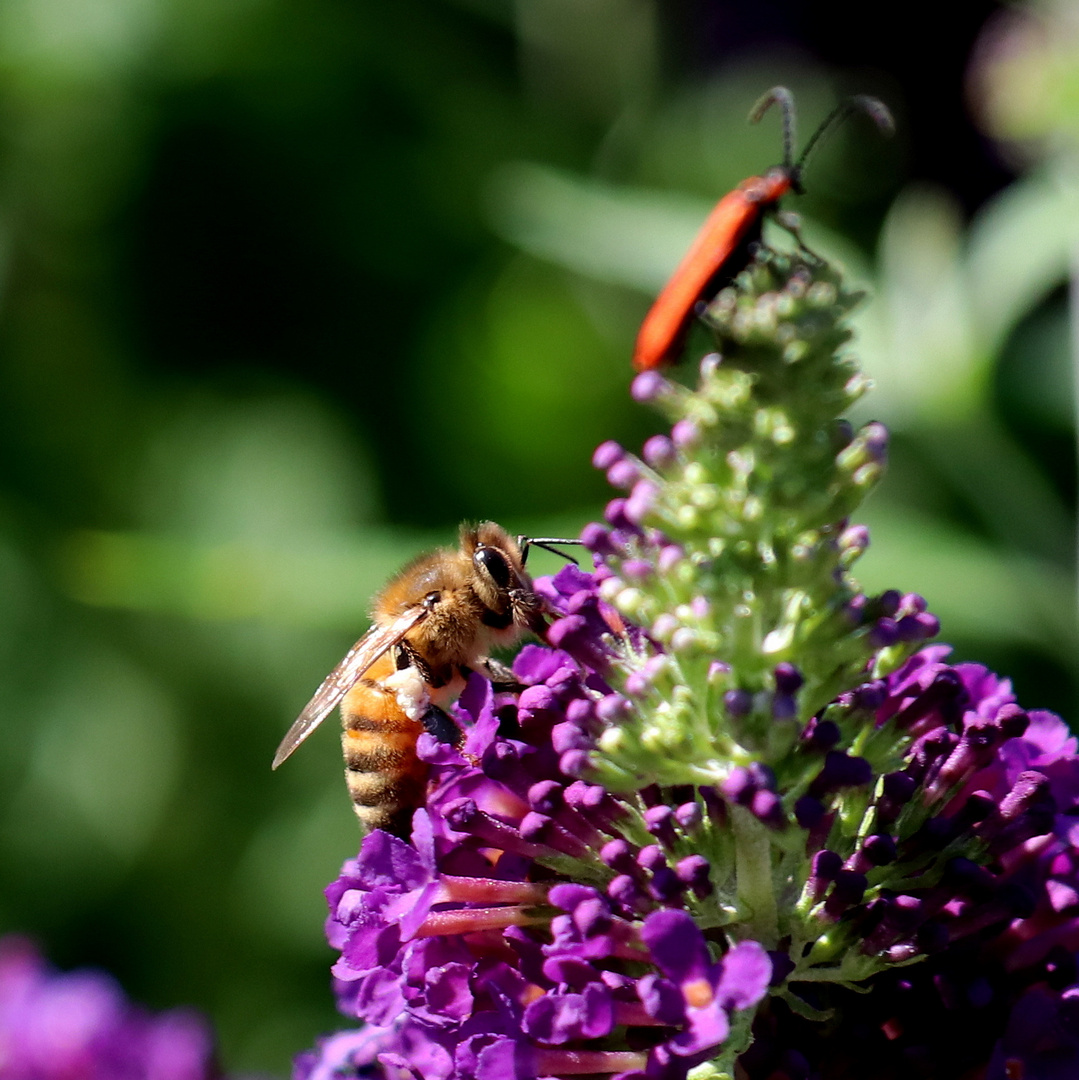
x=548 y=544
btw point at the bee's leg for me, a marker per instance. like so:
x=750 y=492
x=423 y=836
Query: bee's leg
x=499 y=676
x=440 y=724
x=400 y=822
x=406 y=656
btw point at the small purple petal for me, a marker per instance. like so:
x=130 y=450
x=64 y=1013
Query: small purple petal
x=606 y=454
x=647 y=386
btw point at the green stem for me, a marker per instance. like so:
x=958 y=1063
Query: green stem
x=753 y=869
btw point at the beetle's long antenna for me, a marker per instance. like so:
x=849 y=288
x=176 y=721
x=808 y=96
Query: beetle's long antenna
x=781 y=96
x=873 y=107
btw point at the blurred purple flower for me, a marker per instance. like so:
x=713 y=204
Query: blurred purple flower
x=78 y=1025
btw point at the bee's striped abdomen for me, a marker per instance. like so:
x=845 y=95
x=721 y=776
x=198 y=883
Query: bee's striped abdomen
x=385 y=779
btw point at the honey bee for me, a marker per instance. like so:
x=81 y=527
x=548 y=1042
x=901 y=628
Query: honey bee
x=432 y=625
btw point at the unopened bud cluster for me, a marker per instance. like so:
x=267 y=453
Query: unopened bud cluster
x=732 y=547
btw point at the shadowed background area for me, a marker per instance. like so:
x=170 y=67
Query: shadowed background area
x=290 y=289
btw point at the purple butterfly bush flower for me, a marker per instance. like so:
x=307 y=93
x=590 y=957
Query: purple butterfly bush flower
x=468 y=956
x=738 y=818
x=78 y=1025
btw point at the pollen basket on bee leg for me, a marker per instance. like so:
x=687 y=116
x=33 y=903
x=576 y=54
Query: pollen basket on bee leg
x=410 y=690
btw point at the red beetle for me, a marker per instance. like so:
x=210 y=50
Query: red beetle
x=722 y=247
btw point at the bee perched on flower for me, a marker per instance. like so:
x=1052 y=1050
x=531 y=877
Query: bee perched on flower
x=741 y=819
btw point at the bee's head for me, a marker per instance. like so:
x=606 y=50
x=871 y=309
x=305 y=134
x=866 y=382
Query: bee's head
x=500 y=579
x=496 y=562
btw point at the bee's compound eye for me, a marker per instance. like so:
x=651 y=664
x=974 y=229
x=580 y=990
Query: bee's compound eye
x=494 y=562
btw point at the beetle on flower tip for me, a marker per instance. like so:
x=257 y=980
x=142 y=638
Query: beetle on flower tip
x=722 y=247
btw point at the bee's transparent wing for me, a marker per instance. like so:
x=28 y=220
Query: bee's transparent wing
x=343 y=677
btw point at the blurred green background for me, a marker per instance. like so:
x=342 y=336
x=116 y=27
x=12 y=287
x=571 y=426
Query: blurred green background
x=290 y=289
